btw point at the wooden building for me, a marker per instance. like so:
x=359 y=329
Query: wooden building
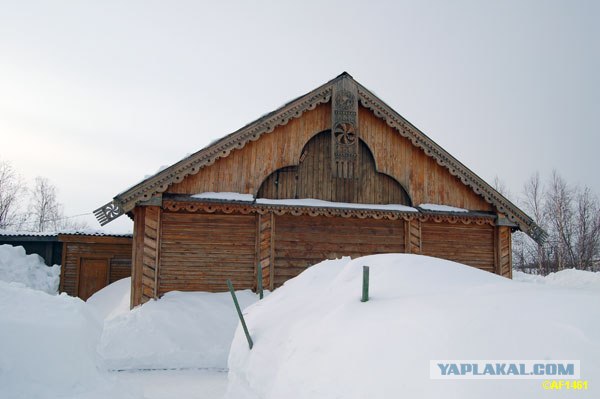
x=340 y=144
x=89 y=261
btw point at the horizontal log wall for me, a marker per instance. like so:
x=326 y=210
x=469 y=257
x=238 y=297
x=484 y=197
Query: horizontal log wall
x=117 y=251
x=199 y=252
x=470 y=244
x=301 y=241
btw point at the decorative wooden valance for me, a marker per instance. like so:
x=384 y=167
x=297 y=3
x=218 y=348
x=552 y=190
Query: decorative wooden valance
x=261 y=209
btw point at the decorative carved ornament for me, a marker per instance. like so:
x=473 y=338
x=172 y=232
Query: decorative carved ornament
x=456 y=168
x=108 y=212
x=191 y=165
x=252 y=132
x=261 y=209
x=344 y=129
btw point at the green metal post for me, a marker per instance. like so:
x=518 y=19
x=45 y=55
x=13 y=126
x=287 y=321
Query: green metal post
x=259 y=286
x=365 y=285
x=237 y=307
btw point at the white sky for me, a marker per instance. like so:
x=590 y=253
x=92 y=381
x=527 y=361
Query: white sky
x=95 y=95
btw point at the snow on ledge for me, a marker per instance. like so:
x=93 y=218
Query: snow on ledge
x=328 y=204
x=226 y=196
x=441 y=208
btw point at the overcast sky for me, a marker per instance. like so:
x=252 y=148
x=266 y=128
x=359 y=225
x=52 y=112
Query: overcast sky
x=95 y=95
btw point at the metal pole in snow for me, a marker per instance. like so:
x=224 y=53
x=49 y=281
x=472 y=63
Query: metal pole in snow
x=241 y=316
x=259 y=285
x=365 y=284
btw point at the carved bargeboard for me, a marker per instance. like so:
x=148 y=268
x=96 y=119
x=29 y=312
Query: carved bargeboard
x=344 y=130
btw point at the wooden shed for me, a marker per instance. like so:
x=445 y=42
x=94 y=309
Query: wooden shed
x=335 y=172
x=89 y=261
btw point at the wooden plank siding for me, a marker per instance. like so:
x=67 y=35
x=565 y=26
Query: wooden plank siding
x=244 y=170
x=139 y=222
x=266 y=224
x=199 y=252
x=413 y=237
x=150 y=255
x=116 y=250
x=301 y=241
x=470 y=244
x=313 y=178
x=504 y=251
x=423 y=178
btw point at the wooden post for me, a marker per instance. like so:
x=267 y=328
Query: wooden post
x=239 y=311
x=365 y=284
x=259 y=283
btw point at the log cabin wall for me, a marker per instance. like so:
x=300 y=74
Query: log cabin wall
x=301 y=241
x=199 y=252
x=110 y=256
x=471 y=244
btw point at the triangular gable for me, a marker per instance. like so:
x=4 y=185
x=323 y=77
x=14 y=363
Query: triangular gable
x=160 y=182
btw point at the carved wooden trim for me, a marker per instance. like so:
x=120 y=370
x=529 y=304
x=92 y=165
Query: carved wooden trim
x=261 y=209
x=143 y=191
x=344 y=129
x=222 y=148
x=443 y=158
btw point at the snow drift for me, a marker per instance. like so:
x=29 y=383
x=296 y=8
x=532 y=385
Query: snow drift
x=29 y=270
x=313 y=338
x=47 y=342
x=112 y=300
x=180 y=330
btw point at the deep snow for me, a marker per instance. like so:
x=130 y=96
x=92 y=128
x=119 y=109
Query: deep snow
x=29 y=270
x=181 y=330
x=313 y=338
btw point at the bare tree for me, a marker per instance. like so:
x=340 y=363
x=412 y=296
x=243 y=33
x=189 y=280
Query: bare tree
x=46 y=213
x=560 y=197
x=43 y=207
x=587 y=229
x=571 y=217
x=11 y=191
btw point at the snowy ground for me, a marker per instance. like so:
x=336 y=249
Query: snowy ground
x=313 y=337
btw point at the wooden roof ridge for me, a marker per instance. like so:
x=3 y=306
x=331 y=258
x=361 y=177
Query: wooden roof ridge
x=159 y=182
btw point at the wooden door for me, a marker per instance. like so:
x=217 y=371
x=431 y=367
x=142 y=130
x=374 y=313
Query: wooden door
x=93 y=276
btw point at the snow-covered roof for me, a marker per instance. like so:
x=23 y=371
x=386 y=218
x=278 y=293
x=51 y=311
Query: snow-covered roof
x=50 y=234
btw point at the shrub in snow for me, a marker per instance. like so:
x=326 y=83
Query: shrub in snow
x=29 y=270
x=180 y=330
x=313 y=338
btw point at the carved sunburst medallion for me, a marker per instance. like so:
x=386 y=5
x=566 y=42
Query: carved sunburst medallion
x=345 y=133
